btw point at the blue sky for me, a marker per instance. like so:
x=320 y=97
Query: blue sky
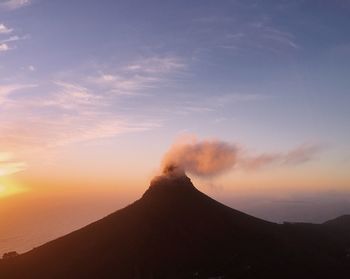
x=270 y=75
x=92 y=93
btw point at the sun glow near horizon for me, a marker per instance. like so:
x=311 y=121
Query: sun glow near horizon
x=10 y=166
x=10 y=187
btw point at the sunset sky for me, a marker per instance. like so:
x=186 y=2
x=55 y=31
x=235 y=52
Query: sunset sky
x=93 y=93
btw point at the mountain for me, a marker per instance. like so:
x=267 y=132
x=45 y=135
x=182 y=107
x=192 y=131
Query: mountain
x=342 y=221
x=175 y=231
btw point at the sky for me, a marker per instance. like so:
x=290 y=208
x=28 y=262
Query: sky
x=93 y=93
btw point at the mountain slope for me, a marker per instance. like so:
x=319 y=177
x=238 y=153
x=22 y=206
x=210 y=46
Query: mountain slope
x=341 y=221
x=175 y=231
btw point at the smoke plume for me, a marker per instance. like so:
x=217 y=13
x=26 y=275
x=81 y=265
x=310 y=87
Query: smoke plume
x=202 y=158
x=208 y=158
x=296 y=156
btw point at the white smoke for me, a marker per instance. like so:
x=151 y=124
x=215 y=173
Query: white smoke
x=202 y=158
x=208 y=158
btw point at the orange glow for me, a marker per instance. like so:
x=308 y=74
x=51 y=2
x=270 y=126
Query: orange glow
x=10 y=186
x=9 y=190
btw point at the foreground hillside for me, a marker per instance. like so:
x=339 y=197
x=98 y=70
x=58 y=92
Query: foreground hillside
x=175 y=231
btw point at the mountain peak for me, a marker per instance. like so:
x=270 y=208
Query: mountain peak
x=170 y=183
x=175 y=231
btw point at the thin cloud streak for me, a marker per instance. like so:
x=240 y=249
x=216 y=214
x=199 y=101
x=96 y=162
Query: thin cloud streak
x=157 y=65
x=36 y=133
x=72 y=96
x=216 y=103
x=125 y=85
x=4 y=29
x=14 y=4
x=8 y=89
x=139 y=76
x=246 y=36
x=6 y=43
x=11 y=39
x=71 y=112
x=8 y=164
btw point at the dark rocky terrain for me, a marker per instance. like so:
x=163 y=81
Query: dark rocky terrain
x=175 y=231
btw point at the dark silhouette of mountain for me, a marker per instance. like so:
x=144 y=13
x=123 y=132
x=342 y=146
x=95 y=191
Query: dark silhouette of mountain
x=342 y=221
x=175 y=231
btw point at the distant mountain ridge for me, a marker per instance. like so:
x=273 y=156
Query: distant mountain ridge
x=343 y=220
x=175 y=231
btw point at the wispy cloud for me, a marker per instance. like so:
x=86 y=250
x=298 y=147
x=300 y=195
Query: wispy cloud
x=4 y=29
x=136 y=77
x=8 y=89
x=233 y=98
x=94 y=128
x=61 y=112
x=71 y=96
x=217 y=102
x=5 y=156
x=259 y=36
x=36 y=133
x=246 y=35
x=4 y=47
x=14 y=4
x=70 y=113
x=6 y=43
x=156 y=65
x=122 y=84
x=214 y=19
x=189 y=108
x=8 y=164
x=10 y=39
